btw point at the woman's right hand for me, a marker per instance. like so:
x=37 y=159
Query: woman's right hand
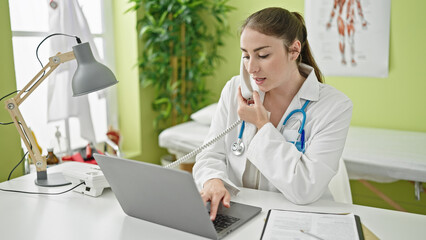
x=214 y=191
x=252 y=112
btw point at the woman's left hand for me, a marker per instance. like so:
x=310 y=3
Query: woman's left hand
x=252 y=112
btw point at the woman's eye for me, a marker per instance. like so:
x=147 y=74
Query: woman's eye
x=264 y=56
x=246 y=57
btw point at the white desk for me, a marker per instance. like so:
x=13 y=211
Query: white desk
x=76 y=216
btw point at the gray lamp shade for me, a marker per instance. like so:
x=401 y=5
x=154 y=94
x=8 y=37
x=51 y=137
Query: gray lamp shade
x=90 y=75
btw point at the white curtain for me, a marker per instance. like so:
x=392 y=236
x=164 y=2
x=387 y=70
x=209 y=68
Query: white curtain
x=68 y=18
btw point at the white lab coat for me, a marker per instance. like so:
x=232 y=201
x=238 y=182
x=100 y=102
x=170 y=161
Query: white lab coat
x=301 y=177
x=68 y=18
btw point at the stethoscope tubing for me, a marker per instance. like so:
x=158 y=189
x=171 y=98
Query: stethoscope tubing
x=238 y=147
x=302 y=126
x=243 y=125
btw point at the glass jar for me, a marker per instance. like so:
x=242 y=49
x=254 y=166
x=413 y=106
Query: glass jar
x=51 y=157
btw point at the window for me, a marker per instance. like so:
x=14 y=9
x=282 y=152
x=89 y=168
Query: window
x=29 y=23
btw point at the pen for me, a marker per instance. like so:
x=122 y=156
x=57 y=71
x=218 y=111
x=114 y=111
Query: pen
x=312 y=235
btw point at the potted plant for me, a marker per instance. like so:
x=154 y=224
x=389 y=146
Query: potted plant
x=180 y=39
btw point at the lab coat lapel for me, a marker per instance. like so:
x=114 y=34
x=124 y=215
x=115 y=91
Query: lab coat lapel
x=294 y=104
x=249 y=132
x=310 y=88
x=308 y=91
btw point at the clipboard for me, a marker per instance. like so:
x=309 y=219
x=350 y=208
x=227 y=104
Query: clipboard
x=298 y=223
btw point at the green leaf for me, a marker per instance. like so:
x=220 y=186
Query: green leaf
x=151 y=19
x=162 y=18
x=144 y=30
x=205 y=26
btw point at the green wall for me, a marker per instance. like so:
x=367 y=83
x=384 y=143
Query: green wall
x=10 y=146
x=126 y=57
x=395 y=102
x=140 y=141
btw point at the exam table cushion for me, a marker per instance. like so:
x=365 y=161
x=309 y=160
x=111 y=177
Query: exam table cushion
x=184 y=137
x=204 y=115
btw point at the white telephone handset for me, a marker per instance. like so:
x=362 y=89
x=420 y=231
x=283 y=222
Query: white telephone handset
x=247 y=83
x=247 y=87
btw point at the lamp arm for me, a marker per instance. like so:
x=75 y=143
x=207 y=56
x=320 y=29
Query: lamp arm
x=54 y=62
x=12 y=105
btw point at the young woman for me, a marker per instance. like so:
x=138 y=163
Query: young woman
x=292 y=152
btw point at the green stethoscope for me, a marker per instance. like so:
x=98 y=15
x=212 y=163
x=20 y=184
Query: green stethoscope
x=238 y=146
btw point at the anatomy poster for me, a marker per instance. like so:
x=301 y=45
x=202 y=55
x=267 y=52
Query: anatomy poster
x=349 y=37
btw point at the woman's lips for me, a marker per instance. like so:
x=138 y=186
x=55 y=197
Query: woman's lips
x=259 y=80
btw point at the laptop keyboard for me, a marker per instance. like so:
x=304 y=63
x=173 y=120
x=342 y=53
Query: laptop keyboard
x=223 y=221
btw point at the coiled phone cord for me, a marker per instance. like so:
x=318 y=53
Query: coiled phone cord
x=201 y=148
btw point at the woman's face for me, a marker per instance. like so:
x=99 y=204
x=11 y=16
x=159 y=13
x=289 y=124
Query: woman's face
x=267 y=60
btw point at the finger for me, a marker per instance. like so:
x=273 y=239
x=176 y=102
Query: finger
x=256 y=97
x=227 y=200
x=241 y=99
x=205 y=197
x=242 y=104
x=214 y=205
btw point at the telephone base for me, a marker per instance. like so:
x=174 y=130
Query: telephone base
x=91 y=175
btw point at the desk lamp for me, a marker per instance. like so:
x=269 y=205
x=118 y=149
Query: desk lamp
x=90 y=76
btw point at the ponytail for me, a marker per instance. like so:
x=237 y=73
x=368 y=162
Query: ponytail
x=288 y=26
x=306 y=56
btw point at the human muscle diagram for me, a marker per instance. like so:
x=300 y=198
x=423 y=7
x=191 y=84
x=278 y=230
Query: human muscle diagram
x=349 y=37
x=346 y=25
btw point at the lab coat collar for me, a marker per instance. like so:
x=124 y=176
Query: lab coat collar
x=310 y=88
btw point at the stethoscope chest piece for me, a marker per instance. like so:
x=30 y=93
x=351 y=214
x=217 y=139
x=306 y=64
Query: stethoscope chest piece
x=238 y=147
x=297 y=137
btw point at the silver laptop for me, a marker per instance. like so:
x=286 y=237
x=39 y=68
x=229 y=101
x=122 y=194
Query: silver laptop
x=168 y=197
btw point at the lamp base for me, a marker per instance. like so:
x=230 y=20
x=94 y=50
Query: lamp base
x=52 y=180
